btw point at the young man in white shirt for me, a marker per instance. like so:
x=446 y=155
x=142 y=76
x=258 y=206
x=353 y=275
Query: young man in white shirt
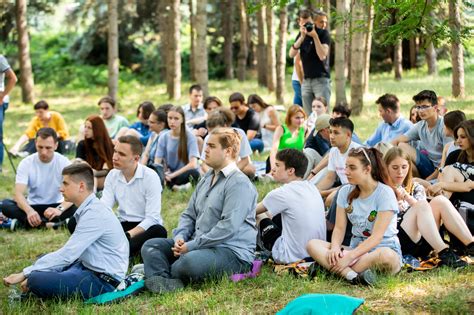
x=293 y=214
x=137 y=191
x=95 y=258
x=40 y=175
x=194 y=111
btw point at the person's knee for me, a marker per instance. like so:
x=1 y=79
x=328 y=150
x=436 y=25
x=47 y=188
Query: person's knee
x=184 y=269
x=314 y=245
x=388 y=259
x=148 y=248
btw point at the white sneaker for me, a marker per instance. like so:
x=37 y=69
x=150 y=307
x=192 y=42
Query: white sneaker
x=138 y=268
x=184 y=187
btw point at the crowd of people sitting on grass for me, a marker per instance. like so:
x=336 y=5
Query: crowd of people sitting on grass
x=351 y=207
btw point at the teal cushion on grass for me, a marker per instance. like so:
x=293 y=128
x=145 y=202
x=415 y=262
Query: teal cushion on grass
x=116 y=296
x=322 y=304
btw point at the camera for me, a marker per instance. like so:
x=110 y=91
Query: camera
x=309 y=26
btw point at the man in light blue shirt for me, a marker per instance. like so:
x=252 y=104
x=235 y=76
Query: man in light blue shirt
x=194 y=111
x=393 y=124
x=95 y=258
x=216 y=234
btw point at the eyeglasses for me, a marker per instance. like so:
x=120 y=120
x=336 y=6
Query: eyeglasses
x=359 y=150
x=422 y=108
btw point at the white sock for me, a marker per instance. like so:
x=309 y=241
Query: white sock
x=351 y=275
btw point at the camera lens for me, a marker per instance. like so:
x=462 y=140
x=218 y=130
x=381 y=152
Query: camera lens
x=309 y=27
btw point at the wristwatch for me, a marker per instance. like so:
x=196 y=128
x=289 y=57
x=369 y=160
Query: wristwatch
x=60 y=208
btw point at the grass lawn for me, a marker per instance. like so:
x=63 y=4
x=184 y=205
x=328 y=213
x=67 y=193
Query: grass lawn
x=437 y=291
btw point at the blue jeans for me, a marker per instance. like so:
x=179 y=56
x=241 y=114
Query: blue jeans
x=72 y=280
x=423 y=164
x=256 y=145
x=315 y=87
x=297 y=89
x=196 y=265
x=3 y=108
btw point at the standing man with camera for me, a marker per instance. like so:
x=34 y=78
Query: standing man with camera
x=313 y=45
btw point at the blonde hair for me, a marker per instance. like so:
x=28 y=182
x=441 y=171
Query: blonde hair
x=228 y=138
x=394 y=153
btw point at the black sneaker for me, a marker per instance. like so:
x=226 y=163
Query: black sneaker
x=159 y=284
x=469 y=250
x=450 y=259
x=366 y=277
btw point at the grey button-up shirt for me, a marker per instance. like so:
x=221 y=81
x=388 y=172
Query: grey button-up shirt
x=222 y=215
x=98 y=242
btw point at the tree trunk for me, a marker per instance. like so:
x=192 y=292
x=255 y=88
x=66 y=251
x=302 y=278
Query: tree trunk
x=281 y=56
x=173 y=59
x=202 y=74
x=327 y=8
x=261 y=49
x=112 y=48
x=430 y=54
x=340 y=52
x=457 y=62
x=271 y=58
x=26 y=72
x=163 y=27
x=192 y=25
x=368 y=45
x=397 y=59
x=228 y=32
x=358 y=57
x=243 y=51
x=413 y=53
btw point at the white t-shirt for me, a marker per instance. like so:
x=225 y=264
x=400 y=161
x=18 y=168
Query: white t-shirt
x=302 y=216
x=337 y=161
x=42 y=179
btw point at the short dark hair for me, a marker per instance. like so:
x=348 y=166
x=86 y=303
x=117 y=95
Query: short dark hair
x=428 y=95
x=211 y=99
x=161 y=116
x=221 y=117
x=195 y=87
x=237 y=97
x=389 y=101
x=80 y=172
x=305 y=14
x=107 y=99
x=293 y=159
x=47 y=132
x=135 y=143
x=453 y=118
x=41 y=105
x=166 y=107
x=147 y=108
x=342 y=109
x=342 y=122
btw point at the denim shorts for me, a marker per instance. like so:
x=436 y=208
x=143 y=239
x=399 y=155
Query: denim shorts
x=423 y=164
x=393 y=243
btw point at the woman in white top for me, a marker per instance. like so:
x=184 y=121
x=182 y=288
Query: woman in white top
x=268 y=119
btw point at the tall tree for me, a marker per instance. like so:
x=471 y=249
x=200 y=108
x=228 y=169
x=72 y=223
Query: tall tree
x=271 y=58
x=340 y=62
x=202 y=74
x=430 y=55
x=173 y=58
x=26 y=72
x=244 y=49
x=112 y=48
x=192 y=25
x=261 y=48
x=281 y=56
x=397 y=59
x=228 y=32
x=457 y=62
x=358 y=56
x=163 y=28
x=368 y=44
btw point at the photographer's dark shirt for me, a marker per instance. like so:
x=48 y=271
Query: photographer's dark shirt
x=313 y=67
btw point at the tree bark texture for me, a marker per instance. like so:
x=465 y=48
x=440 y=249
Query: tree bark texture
x=163 y=27
x=112 y=48
x=397 y=59
x=430 y=55
x=457 y=62
x=368 y=45
x=261 y=49
x=271 y=56
x=228 y=32
x=173 y=71
x=192 y=25
x=281 y=56
x=201 y=67
x=340 y=52
x=26 y=71
x=244 y=50
x=358 y=56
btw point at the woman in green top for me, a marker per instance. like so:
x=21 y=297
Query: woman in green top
x=290 y=135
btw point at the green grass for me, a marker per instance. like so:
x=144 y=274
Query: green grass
x=437 y=291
